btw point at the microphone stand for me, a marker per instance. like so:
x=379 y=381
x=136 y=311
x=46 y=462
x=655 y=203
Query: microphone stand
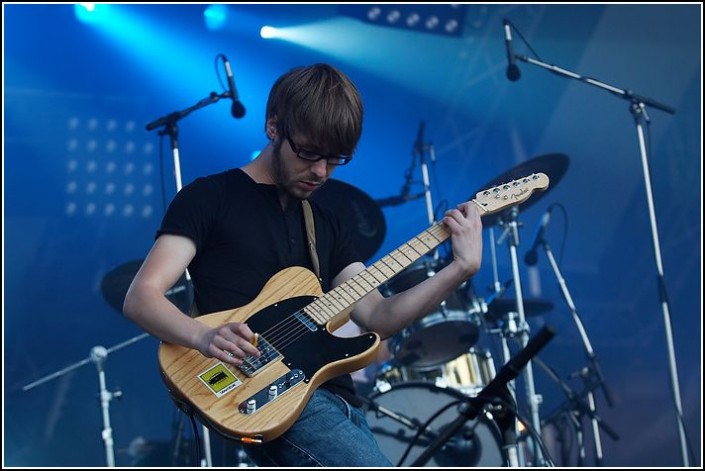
x=97 y=356
x=169 y=122
x=637 y=107
x=170 y=127
x=576 y=406
x=471 y=407
x=593 y=369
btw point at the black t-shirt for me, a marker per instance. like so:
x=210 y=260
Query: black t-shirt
x=243 y=238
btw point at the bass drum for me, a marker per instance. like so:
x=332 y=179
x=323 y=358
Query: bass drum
x=478 y=443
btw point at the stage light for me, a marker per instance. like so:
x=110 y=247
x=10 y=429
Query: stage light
x=451 y=25
x=106 y=172
x=373 y=13
x=215 y=17
x=90 y=12
x=432 y=22
x=268 y=32
x=393 y=16
x=451 y=16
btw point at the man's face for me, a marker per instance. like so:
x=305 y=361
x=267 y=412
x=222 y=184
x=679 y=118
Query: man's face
x=297 y=176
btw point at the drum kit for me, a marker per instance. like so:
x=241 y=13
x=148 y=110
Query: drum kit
x=436 y=363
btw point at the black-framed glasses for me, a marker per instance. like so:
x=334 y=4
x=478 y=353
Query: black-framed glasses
x=312 y=156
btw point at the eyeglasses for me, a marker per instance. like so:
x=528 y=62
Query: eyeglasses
x=311 y=156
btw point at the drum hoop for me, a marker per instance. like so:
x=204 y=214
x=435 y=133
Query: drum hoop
x=449 y=315
x=420 y=385
x=483 y=418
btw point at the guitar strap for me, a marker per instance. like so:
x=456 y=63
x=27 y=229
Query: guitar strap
x=311 y=235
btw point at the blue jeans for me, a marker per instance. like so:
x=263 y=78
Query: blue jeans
x=329 y=432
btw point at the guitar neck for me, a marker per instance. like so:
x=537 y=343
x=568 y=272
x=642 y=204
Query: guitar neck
x=351 y=291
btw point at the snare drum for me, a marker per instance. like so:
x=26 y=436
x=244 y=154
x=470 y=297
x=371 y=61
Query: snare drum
x=440 y=336
x=470 y=372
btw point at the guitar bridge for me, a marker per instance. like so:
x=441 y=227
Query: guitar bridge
x=263 y=397
x=251 y=365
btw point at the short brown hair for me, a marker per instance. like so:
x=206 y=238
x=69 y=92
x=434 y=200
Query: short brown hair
x=318 y=102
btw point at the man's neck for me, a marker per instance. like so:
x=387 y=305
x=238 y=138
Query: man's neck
x=261 y=170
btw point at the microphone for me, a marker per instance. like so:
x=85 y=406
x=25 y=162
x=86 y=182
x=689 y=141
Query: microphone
x=531 y=256
x=397 y=200
x=238 y=109
x=513 y=72
x=513 y=367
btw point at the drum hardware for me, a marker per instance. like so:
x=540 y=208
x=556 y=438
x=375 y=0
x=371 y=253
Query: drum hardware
x=496 y=393
x=410 y=415
x=392 y=373
x=413 y=424
x=519 y=325
x=499 y=309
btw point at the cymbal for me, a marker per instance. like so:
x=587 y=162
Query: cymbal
x=117 y=281
x=553 y=165
x=499 y=308
x=358 y=211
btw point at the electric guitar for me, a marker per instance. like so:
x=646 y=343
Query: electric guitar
x=259 y=400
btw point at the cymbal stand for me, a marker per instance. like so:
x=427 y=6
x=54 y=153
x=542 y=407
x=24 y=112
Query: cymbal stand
x=508 y=328
x=511 y=233
x=97 y=356
x=496 y=285
x=591 y=371
x=420 y=149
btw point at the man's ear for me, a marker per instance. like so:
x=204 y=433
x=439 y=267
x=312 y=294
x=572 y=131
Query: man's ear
x=272 y=129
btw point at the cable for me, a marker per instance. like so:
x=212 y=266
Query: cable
x=524 y=40
x=423 y=428
x=534 y=433
x=197 y=438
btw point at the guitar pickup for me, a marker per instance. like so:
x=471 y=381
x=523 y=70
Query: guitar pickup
x=270 y=393
x=251 y=365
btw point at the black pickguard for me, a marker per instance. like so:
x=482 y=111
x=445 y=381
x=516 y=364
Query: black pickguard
x=305 y=350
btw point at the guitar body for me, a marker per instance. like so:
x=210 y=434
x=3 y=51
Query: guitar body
x=305 y=359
